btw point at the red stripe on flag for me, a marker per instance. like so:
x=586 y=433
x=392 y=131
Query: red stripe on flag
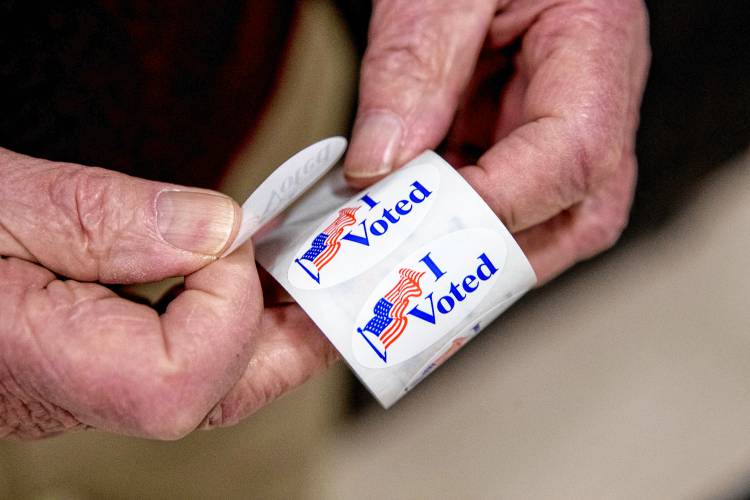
x=406 y=288
x=334 y=231
x=400 y=326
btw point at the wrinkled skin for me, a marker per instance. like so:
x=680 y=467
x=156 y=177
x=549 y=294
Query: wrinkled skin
x=549 y=144
x=73 y=354
x=552 y=149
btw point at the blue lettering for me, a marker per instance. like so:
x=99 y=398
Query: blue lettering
x=403 y=207
x=434 y=269
x=362 y=240
x=457 y=293
x=419 y=188
x=390 y=217
x=379 y=227
x=424 y=316
x=488 y=265
x=370 y=202
x=445 y=304
x=468 y=282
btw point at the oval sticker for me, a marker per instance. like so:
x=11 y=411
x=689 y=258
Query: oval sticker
x=427 y=296
x=286 y=184
x=366 y=229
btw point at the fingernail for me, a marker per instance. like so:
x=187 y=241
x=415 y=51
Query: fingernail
x=375 y=144
x=196 y=221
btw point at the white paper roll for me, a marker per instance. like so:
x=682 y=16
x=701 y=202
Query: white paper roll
x=400 y=275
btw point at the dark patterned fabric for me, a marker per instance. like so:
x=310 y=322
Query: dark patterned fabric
x=162 y=90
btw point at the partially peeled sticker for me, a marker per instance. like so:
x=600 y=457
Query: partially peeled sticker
x=287 y=183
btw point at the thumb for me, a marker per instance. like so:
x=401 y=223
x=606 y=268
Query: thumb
x=92 y=224
x=419 y=59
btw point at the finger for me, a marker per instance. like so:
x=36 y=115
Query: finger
x=419 y=58
x=582 y=231
x=118 y=366
x=92 y=224
x=475 y=126
x=289 y=352
x=576 y=100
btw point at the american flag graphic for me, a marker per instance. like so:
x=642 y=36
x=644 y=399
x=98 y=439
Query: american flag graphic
x=389 y=320
x=326 y=245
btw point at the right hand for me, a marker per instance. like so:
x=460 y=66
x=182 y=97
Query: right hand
x=536 y=103
x=73 y=354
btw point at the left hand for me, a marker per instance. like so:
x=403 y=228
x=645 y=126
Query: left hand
x=74 y=354
x=539 y=98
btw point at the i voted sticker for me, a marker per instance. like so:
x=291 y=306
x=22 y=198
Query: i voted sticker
x=290 y=180
x=400 y=276
x=427 y=296
x=366 y=229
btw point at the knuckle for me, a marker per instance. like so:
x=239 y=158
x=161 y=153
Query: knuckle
x=484 y=183
x=508 y=212
x=612 y=234
x=595 y=155
x=609 y=211
x=163 y=416
x=404 y=59
x=94 y=214
x=408 y=48
x=164 y=404
x=83 y=195
x=605 y=232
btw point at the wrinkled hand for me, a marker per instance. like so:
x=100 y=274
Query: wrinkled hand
x=73 y=354
x=536 y=100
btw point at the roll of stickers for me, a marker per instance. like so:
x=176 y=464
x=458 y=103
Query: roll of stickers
x=399 y=276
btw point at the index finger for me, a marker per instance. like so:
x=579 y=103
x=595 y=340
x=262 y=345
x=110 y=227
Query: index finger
x=576 y=90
